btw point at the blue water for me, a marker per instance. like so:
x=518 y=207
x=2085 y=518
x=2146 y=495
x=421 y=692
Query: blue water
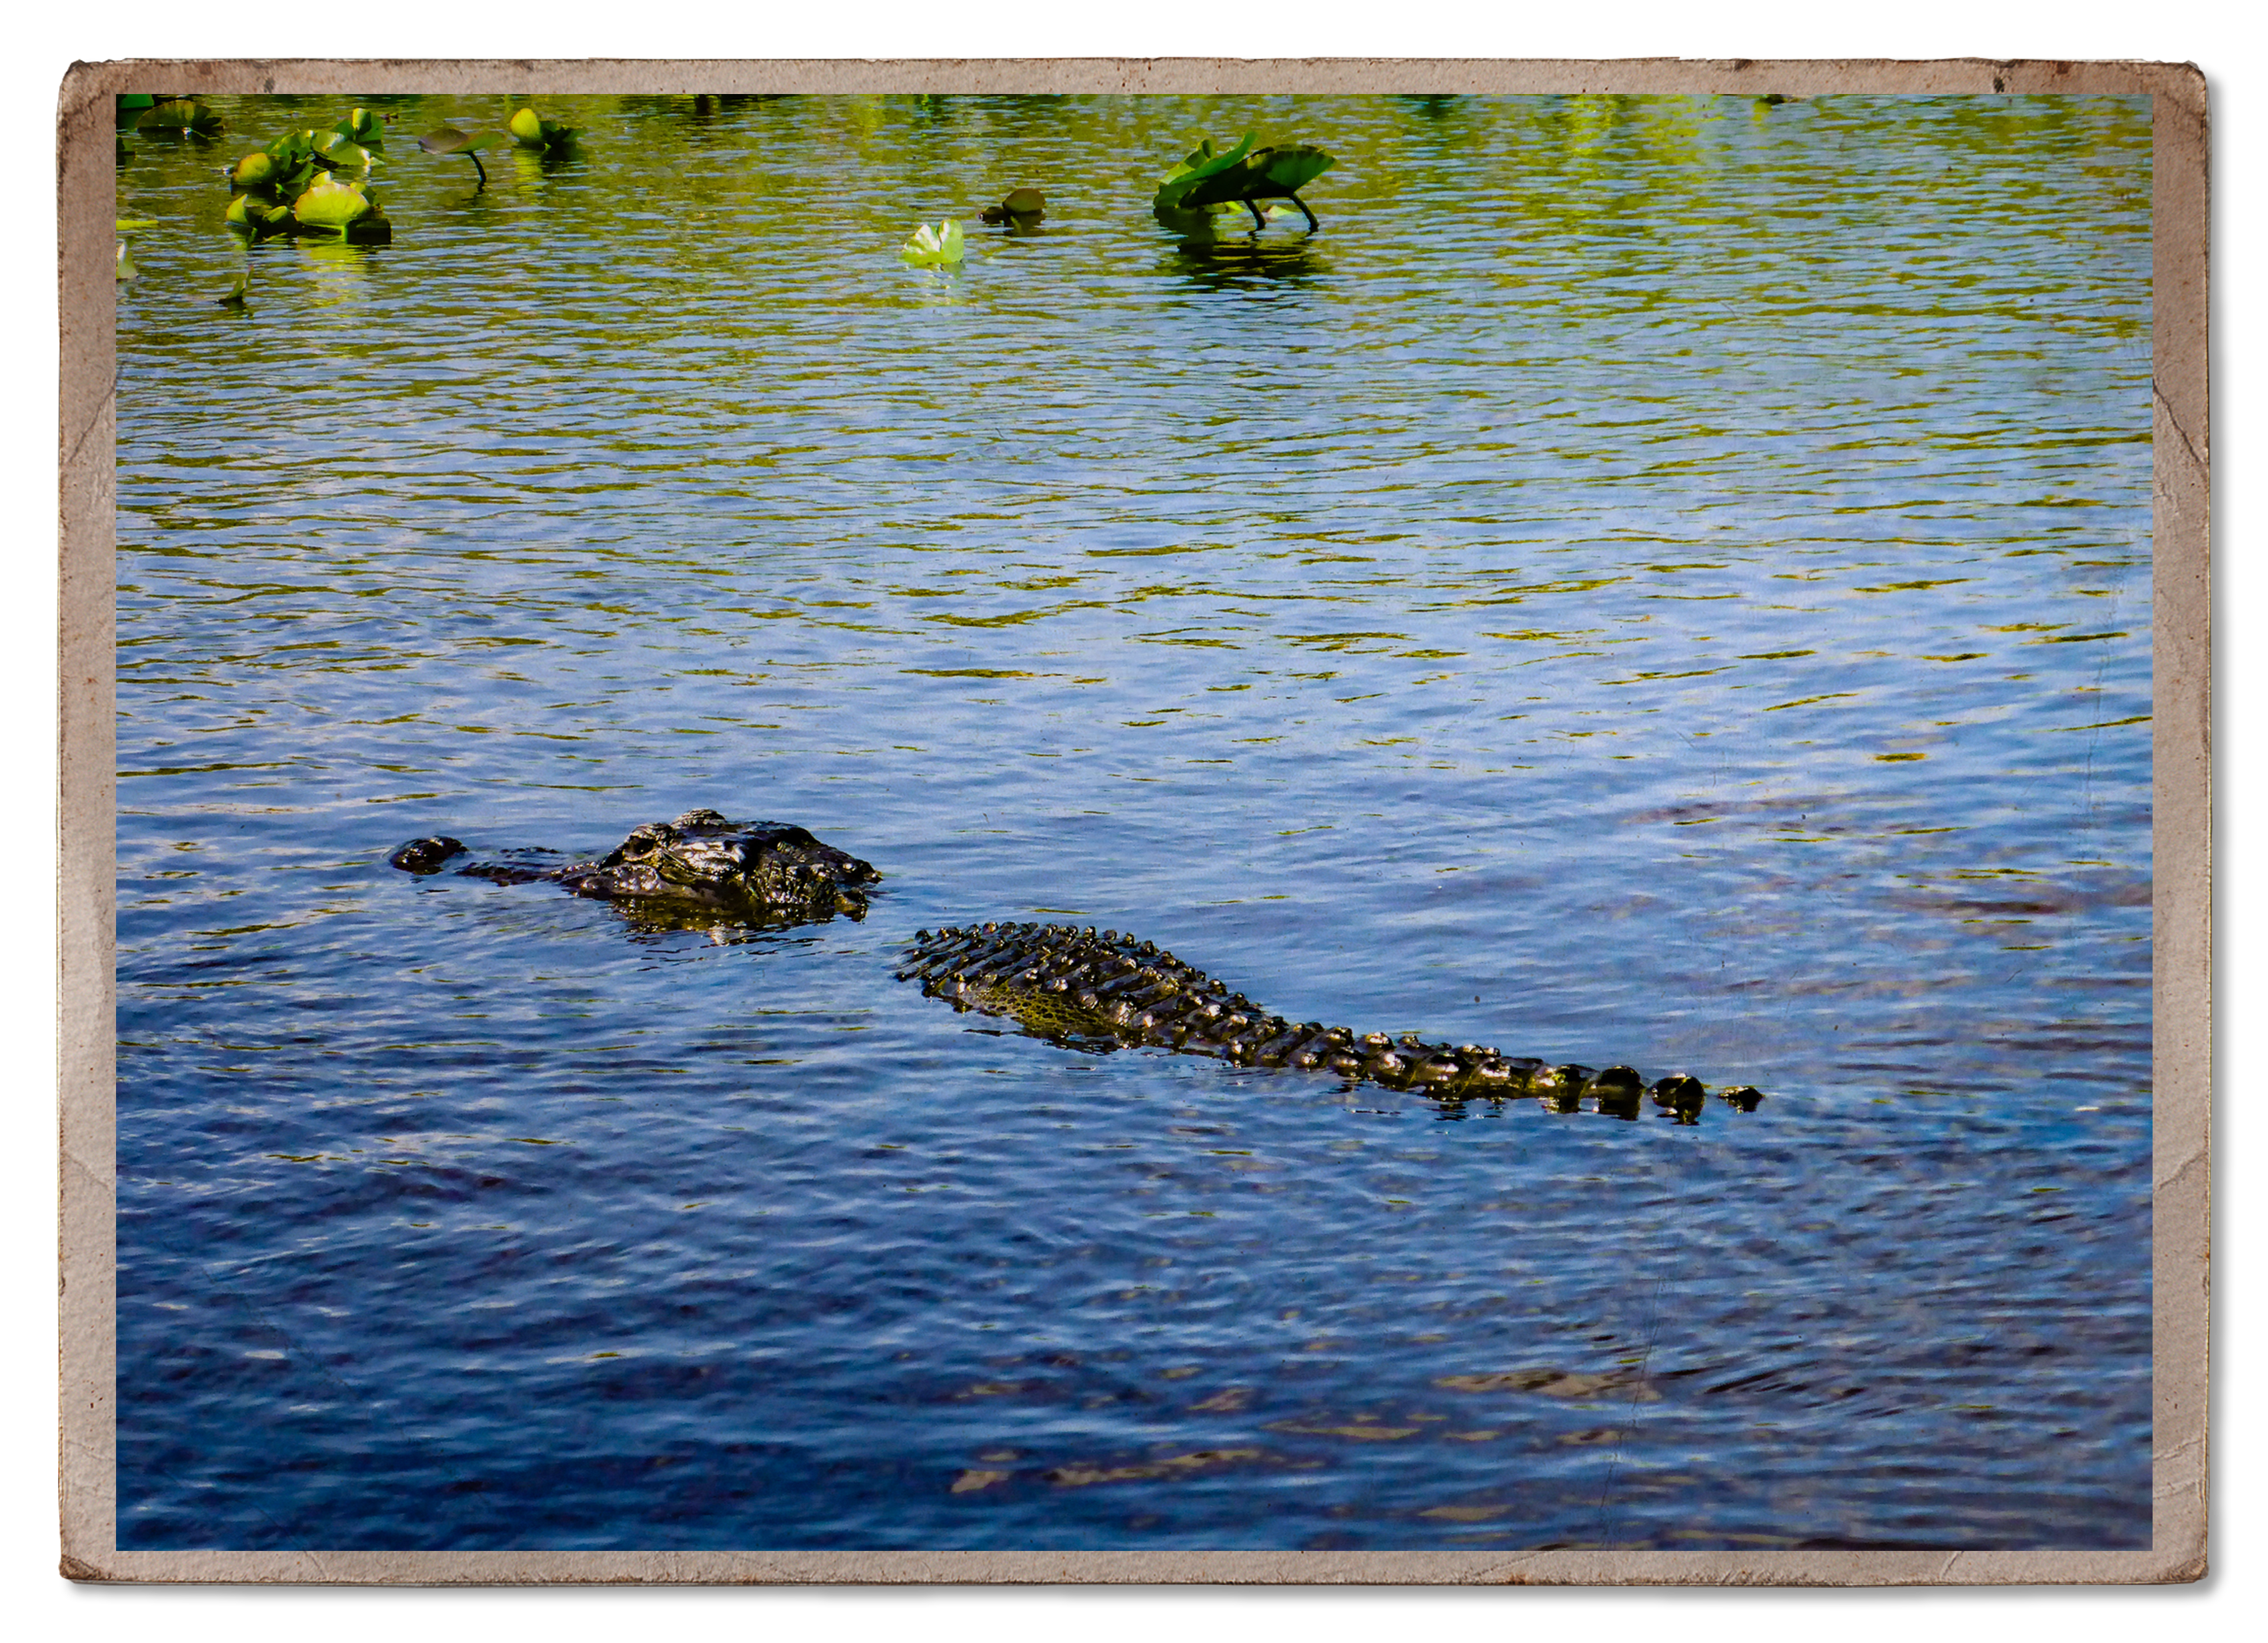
x=1652 y=580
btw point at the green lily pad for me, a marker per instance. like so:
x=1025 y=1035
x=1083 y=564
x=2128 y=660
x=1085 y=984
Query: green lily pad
x=364 y=126
x=1207 y=181
x=1292 y=168
x=449 y=140
x=257 y=215
x=184 y=114
x=332 y=207
x=255 y=171
x=941 y=246
x=343 y=151
x=1201 y=163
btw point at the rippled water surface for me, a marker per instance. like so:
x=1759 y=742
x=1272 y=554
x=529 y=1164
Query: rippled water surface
x=1662 y=581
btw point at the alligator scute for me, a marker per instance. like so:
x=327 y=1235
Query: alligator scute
x=1066 y=984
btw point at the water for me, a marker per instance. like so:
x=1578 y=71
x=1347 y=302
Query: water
x=1662 y=581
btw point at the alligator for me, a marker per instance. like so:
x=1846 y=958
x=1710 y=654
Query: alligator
x=1068 y=985
x=700 y=868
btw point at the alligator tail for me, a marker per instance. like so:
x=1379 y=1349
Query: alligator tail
x=1067 y=983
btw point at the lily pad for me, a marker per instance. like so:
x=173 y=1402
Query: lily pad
x=935 y=248
x=334 y=210
x=449 y=140
x=255 y=171
x=364 y=126
x=183 y=114
x=1201 y=163
x=257 y=215
x=331 y=204
x=340 y=150
x=1208 y=181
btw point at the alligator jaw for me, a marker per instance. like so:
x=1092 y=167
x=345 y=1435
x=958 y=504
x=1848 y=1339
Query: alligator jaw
x=1066 y=985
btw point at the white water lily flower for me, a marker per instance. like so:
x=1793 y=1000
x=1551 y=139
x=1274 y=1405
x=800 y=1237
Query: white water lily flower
x=935 y=247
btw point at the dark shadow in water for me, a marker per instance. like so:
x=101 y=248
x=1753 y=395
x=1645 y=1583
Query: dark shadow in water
x=1245 y=261
x=1079 y=1043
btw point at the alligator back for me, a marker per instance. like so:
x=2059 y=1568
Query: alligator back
x=1067 y=983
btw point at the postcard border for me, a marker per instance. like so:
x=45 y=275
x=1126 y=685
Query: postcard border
x=2181 y=828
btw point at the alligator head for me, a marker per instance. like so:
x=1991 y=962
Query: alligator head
x=701 y=867
x=1073 y=985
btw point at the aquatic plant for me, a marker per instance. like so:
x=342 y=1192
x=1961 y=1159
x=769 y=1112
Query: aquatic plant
x=127 y=226
x=1208 y=181
x=294 y=185
x=934 y=248
x=179 y=116
x=449 y=140
x=530 y=130
x=335 y=208
x=1022 y=209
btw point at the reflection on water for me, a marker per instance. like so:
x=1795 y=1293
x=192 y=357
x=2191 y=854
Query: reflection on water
x=1655 y=582
x=1220 y=262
